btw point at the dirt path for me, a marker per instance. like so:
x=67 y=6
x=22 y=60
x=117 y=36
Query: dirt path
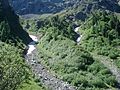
x=110 y=65
x=47 y=78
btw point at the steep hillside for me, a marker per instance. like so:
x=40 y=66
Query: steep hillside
x=71 y=62
x=10 y=28
x=102 y=29
x=14 y=73
x=77 y=8
x=85 y=65
x=102 y=35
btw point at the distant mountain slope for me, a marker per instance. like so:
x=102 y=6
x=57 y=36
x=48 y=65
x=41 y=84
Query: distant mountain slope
x=36 y=6
x=54 y=6
x=83 y=8
x=10 y=28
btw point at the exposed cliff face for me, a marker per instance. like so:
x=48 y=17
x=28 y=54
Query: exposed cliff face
x=11 y=20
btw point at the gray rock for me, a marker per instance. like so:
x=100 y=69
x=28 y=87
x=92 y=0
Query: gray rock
x=47 y=78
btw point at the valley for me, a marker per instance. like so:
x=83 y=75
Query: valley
x=59 y=45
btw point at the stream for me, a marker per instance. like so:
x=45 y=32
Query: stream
x=80 y=36
x=31 y=45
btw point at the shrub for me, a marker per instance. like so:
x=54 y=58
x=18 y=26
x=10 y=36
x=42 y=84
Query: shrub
x=12 y=67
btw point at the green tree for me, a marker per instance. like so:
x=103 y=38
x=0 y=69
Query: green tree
x=13 y=70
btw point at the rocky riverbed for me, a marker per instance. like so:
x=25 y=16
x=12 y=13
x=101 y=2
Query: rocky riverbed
x=48 y=79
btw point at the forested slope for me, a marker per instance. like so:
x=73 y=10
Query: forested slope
x=102 y=34
x=70 y=61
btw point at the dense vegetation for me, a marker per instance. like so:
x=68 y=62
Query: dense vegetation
x=60 y=26
x=71 y=62
x=13 y=70
x=14 y=73
x=102 y=34
x=58 y=50
x=58 y=23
